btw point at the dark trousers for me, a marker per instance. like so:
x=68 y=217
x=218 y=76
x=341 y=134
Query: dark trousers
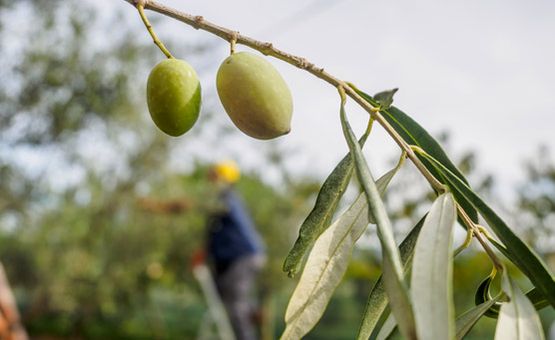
x=236 y=286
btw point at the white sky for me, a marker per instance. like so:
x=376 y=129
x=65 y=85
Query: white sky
x=482 y=70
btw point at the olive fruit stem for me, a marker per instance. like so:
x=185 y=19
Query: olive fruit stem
x=233 y=42
x=140 y=7
x=466 y=243
x=198 y=22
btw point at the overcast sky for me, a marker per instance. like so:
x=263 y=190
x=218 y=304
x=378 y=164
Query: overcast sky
x=482 y=70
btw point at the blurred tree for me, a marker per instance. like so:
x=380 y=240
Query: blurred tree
x=536 y=213
x=76 y=151
x=536 y=200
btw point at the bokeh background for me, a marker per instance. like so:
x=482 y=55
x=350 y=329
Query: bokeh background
x=78 y=150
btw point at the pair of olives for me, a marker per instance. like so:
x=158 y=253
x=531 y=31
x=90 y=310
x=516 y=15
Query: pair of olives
x=253 y=94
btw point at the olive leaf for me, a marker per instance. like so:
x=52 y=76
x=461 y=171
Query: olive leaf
x=483 y=295
x=514 y=248
x=432 y=272
x=395 y=287
x=414 y=134
x=324 y=269
x=320 y=217
x=537 y=299
x=468 y=319
x=377 y=301
x=327 y=263
x=385 y=98
x=387 y=329
x=518 y=319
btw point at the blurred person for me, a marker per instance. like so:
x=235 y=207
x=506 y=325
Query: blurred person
x=10 y=324
x=233 y=249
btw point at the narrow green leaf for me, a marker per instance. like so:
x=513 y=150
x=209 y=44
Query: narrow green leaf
x=392 y=269
x=326 y=265
x=535 y=295
x=320 y=217
x=399 y=299
x=385 y=98
x=518 y=319
x=467 y=320
x=537 y=299
x=387 y=328
x=432 y=272
x=414 y=134
x=377 y=299
x=514 y=248
x=483 y=295
x=324 y=269
x=382 y=184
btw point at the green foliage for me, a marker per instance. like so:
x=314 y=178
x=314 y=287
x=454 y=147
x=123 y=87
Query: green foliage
x=431 y=262
x=432 y=272
x=517 y=319
x=327 y=263
x=466 y=321
x=395 y=287
x=377 y=299
x=319 y=218
x=514 y=248
x=414 y=134
x=385 y=98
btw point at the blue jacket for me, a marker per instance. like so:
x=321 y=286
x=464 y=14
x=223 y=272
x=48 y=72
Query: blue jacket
x=231 y=234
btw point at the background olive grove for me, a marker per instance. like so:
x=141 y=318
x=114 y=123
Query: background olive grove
x=77 y=152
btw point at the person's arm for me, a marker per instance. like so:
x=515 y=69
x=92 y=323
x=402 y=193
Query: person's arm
x=175 y=206
x=213 y=202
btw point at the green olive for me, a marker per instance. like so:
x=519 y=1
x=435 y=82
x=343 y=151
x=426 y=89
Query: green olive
x=255 y=96
x=173 y=96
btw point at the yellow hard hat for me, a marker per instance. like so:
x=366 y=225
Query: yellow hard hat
x=227 y=171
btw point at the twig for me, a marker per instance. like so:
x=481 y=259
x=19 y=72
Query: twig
x=140 y=7
x=476 y=231
x=267 y=48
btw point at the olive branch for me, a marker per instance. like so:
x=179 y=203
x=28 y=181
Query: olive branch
x=267 y=48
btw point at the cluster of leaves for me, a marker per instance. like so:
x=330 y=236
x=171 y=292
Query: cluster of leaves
x=426 y=310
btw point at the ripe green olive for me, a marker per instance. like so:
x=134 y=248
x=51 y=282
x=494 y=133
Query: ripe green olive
x=255 y=96
x=173 y=96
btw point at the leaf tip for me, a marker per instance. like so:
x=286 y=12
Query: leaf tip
x=385 y=98
x=290 y=266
